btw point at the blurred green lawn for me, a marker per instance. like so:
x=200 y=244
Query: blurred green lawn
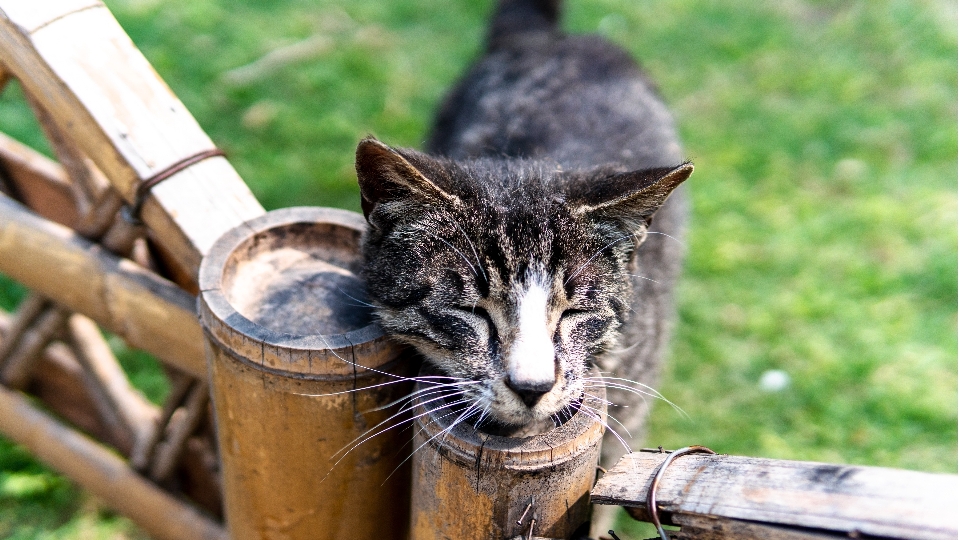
x=823 y=241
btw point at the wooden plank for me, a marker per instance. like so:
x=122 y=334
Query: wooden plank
x=101 y=471
x=147 y=311
x=887 y=503
x=76 y=61
x=694 y=527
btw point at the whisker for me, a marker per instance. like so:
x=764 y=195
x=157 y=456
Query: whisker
x=366 y=434
x=365 y=439
x=458 y=252
x=404 y=379
x=472 y=247
x=595 y=255
x=644 y=277
x=343 y=292
x=422 y=392
x=447 y=429
x=619 y=423
x=681 y=242
x=652 y=393
x=592 y=414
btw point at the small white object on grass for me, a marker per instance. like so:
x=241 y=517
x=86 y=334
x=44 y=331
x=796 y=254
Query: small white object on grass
x=774 y=380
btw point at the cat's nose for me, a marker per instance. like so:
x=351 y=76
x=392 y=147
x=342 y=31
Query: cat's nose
x=529 y=391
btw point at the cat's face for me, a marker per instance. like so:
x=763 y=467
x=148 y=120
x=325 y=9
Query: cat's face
x=507 y=277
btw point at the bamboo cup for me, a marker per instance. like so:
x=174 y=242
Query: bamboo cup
x=289 y=340
x=470 y=485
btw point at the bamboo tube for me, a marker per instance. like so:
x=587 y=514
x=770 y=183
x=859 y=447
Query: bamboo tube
x=289 y=345
x=470 y=485
x=147 y=311
x=129 y=123
x=102 y=472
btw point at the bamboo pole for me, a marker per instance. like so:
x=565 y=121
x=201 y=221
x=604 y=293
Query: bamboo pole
x=716 y=497
x=129 y=123
x=102 y=472
x=168 y=453
x=61 y=384
x=147 y=311
x=470 y=485
x=298 y=373
x=19 y=363
x=39 y=182
x=120 y=398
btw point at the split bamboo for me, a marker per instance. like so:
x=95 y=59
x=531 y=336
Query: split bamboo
x=129 y=124
x=470 y=485
x=299 y=376
x=716 y=496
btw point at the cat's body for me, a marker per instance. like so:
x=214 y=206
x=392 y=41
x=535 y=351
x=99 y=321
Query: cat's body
x=511 y=262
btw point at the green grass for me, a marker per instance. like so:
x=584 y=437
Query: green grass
x=823 y=240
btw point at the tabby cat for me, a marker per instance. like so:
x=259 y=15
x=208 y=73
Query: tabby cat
x=520 y=249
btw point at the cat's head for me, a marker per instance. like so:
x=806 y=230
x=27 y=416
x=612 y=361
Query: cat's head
x=509 y=275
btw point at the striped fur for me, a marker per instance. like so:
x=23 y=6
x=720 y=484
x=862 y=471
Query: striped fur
x=548 y=163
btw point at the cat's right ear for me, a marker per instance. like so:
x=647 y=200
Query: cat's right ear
x=632 y=198
x=386 y=175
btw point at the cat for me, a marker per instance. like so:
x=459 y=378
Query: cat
x=535 y=236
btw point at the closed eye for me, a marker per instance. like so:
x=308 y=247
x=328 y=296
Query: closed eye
x=491 y=327
x=574 y=311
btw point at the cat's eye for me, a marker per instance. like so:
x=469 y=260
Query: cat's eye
x=573 y=311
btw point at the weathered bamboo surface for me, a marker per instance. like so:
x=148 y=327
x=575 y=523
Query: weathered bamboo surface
x=78 y=65
x=470 y=485
x=102 y=472
x=147 y=311
x=299 y=375
x=710 y=492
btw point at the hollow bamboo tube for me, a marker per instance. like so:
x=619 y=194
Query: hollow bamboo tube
x=470 y=485
x=289 y=344
x=102 y=472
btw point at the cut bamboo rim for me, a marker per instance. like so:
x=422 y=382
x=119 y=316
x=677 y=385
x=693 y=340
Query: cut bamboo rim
x=470 y=485
x=282 y=309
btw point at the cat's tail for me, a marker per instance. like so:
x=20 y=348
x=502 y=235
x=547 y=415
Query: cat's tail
x=514 y=17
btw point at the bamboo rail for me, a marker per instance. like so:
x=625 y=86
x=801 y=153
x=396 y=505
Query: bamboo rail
x=147 y=311
x=130 y=125
x=102 y=472
x=721 y=497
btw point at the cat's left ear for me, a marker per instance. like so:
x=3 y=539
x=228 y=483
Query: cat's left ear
x=385 y=174
x=633 y=197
